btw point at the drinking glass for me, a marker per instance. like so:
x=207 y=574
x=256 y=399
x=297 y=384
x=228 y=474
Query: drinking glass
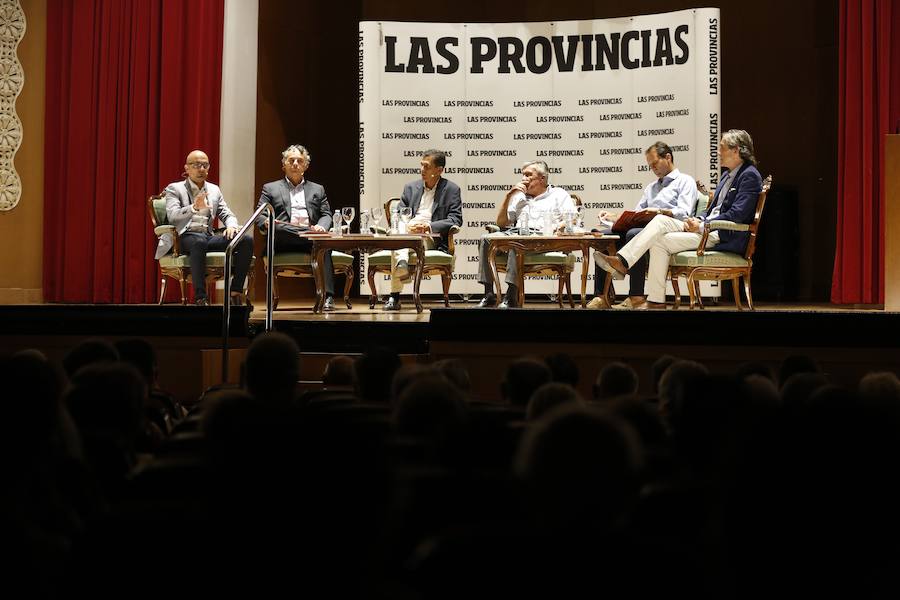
x=405 y=215
x=377 y=215
x=347 y=213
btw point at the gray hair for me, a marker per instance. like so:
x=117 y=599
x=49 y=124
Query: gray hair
x=539 y=166
x=740 y=139
x=296 y=148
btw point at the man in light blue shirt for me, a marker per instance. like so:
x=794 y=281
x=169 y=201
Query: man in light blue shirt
x=673 y=194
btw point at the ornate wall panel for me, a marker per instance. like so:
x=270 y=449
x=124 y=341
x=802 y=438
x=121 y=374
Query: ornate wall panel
x=12 y=78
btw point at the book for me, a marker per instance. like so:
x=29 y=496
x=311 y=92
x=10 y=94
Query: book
x=630 y=219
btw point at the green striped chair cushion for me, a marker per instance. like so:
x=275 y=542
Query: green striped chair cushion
x=303 y=258
x=710 y=258
x=432 y=257
x=213 y=259
x=543 y=258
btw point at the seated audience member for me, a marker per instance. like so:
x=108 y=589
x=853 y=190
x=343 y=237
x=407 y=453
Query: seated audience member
x=300 y=206
x=162 y=408
x=436 y=205
x=406 y=375
x=581 y=468
x=734 y=200
x=563 y=368
x=673 y=194
x=522 y=377
x=456 y=373
x=615 y=379
x=882 y=387
x=339 y=372
x=192 y=206
x=532 y=199
x=659 y=367
x=89 y=352
x=374 y=373
x=796 y=363
x=430 y=409
x=676 y=381
x=549 y=397
x=761 y=369
x=272 y=369
x=106 y=401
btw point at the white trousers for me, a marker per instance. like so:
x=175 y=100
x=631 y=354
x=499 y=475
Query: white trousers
x=403 y=254
x=662 y=237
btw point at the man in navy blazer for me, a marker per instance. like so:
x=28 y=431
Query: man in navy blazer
x=300 y=205
x=436 y=205
x=734 y=200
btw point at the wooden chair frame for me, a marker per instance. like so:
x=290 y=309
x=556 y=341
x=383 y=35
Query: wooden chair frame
x=445 y=271
x=694 y=274
x=183 y=274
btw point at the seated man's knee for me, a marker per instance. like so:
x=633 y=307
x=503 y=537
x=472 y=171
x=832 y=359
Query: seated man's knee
x=632 y=232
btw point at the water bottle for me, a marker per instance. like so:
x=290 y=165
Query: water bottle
x=523 y=223
x=395 y=221
x=364 y=222
x=337 y=223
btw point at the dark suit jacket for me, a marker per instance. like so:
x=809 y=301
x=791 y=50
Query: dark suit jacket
x=447 y=209
x=278 y=193
x=738 y=205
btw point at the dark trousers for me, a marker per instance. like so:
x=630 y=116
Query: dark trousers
x=196 y=245
x=637 y=273
x=287 y=241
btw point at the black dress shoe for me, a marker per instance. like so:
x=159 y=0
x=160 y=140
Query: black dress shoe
x=391 y=304
x=329 y=303
x=201 y=302
x=488 y=301
x=504 y=304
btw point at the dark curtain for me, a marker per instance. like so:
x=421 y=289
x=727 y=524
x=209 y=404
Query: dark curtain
x=869 y=87
x=132 y=87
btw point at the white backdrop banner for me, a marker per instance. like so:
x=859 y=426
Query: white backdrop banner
x=588 y=97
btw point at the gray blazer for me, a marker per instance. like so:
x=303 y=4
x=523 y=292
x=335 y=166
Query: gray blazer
x=179 y=212
x=278 y=193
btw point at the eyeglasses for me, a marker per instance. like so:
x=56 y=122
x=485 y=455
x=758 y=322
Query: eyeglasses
x=199 y=165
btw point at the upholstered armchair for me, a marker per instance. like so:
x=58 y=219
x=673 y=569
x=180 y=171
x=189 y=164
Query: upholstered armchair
x=547 y=264
x=704 y=264
x=437 y=262
x=176 y=265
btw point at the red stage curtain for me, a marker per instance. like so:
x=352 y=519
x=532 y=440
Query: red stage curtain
x=132 y=87
x=869 y=108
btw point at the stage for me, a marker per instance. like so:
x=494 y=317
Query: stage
x=847 y=341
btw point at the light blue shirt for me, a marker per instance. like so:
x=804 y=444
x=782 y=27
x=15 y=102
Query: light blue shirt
x=676 y=192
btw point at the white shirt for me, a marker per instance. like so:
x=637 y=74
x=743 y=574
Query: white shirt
x=676 y=192
x=299 y=214
x=426 y=207
x=554 y=200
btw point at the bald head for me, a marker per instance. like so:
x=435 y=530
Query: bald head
x=197 y=167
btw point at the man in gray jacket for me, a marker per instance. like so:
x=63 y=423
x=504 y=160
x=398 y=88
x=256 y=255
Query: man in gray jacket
x=192 y=206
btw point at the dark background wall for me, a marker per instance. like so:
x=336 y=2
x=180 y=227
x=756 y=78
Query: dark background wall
x=779 y=66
